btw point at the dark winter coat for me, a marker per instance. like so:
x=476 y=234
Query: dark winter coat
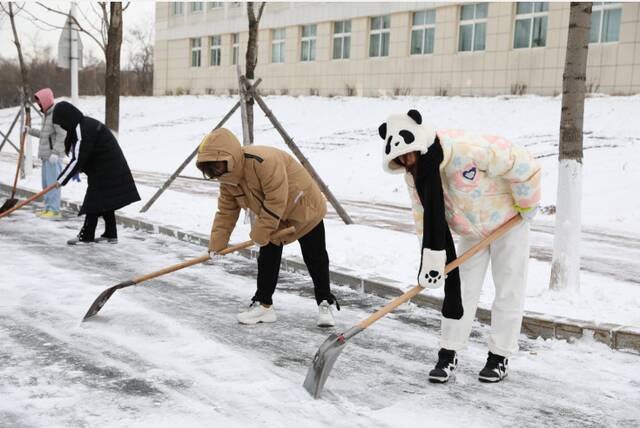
x=95 y=151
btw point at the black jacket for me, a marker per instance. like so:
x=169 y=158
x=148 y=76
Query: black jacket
x=95 y=151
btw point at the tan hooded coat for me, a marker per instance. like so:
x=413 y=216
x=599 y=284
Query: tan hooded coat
x=268 y=182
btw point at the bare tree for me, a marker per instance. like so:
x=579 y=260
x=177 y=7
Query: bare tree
x=565 y=267
x=112 y=54
x=141 y=58
x=11 y=9
x=252 y=57
x=108 y=36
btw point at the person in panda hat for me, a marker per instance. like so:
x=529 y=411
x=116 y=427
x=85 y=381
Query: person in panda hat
x=471 y=184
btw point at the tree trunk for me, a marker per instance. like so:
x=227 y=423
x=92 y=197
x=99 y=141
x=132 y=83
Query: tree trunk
x=251 y=58
x=565 y=267
x=26 y=90
x=112 y=74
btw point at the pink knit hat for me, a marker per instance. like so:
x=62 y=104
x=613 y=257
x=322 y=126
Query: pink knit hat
x=44 y=97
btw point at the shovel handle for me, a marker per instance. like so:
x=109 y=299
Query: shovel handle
x=451 y=266
x=202 y=259
x=31 y=199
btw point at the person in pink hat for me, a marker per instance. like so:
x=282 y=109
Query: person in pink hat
x=50 y=151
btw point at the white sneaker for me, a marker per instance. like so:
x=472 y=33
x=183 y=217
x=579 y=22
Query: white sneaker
x=325 y=317
x=257 y=314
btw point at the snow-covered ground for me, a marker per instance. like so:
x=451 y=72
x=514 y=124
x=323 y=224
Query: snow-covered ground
x=339 y=136
x=170 y=353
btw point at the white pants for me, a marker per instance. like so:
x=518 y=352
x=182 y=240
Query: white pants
x=509 y=256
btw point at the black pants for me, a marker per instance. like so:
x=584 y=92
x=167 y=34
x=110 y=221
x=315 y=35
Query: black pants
x=88 y=231
x=314 y=253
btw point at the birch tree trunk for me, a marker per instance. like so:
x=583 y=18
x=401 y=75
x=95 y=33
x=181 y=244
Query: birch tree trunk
x=565 y=267
x=24 y=73
x=112 y=74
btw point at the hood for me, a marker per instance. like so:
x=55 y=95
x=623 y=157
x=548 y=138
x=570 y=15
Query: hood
x=66 y=115
x=44 y=97
x=222 y=145
x=404 y=133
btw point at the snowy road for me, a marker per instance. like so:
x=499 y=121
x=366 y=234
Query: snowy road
x=605 y=252
x=171 y=353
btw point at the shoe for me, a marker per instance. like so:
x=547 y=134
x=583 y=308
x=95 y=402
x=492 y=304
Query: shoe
x=257 y=314
x=50 y=215
x=42 y=213
x=325 y=316
x=107 y=240
x=495 y=370
x=447 y=363
x=77 y=240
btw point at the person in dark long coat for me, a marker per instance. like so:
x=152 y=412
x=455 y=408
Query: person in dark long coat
x=94 y=151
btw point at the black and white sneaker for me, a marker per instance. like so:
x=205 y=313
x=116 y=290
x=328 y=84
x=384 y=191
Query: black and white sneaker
x=495 y=370
x=447 y=363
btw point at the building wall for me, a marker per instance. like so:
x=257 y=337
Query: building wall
x=613 y=68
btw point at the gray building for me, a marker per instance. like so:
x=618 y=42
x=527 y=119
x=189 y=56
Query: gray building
x=393 y=48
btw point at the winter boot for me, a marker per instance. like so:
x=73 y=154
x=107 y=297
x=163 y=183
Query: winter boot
x=447 y=363
x=495 y=370
x=325 y=317
x=257 y=314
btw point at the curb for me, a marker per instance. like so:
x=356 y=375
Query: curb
x=534 y=324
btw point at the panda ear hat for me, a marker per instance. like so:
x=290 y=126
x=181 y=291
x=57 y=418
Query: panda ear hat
x=404 y=133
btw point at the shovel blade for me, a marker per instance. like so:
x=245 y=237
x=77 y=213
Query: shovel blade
x=322 y=364
x=102 y=299
x=9 y=203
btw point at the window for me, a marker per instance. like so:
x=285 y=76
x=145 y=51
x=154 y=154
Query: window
x=341 y=39
x=531 y=25
x=235 y=51
x=196 y=52
x=277 y=45
x=215 y=4
x=605 y=22
x=215 y=50
x=473 y=27
x=379 y=36
x=196 y=6
x=308 y=43
x=423 y=32
x=176 y=8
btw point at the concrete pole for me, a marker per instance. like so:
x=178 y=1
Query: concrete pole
x=74 y=57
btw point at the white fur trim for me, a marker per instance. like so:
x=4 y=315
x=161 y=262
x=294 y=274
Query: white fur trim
x=432 y=261
x=424 y=136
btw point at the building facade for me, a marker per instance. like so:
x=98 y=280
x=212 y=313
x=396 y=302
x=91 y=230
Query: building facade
x=394 y=48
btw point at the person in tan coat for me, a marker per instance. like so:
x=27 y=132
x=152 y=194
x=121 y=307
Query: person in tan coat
x=281 y=193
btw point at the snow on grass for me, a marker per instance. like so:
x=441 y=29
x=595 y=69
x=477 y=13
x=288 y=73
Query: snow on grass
x=339 y=136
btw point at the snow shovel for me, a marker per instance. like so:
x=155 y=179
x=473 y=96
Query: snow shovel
x=106 y=294
x=329 y=351
x=12 y=201
x=31 y=199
